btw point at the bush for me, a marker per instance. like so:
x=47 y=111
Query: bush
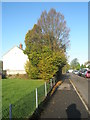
x=31 y=70
x=48 y=64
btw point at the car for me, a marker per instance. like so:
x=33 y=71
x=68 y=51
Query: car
x=87 y=74
x=83 y=72
x=67 y=72
x=80 y=72
x=70 y=70
x=75 y=72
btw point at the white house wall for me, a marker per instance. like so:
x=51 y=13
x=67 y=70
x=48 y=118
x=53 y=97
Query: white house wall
x=14 y=61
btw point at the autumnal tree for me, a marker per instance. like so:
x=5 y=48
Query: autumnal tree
x=33 y=39
x=31 y=70
x=43 y=62
x=45 y=48
x=50 y=64
x=66 y=68
x=53 y=24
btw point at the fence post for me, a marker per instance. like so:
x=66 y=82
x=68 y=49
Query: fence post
x=54 y=81
x=51 y=82
x=45 y=89
x=10 y=111
x=36 y=98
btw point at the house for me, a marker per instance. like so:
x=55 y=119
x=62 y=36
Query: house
x=14 y=61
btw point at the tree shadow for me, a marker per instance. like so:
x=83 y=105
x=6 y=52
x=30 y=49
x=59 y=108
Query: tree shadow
x=37 y=113
x=65 y=77
x=73 y=112
x=41 y=107
x=60 y=76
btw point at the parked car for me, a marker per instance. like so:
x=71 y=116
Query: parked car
x=83 y=72
x=87 y=74
x=70 y=70
x=67 y=72
x=80 y=72
x=75 y=72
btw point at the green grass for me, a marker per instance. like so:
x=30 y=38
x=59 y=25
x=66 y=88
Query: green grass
x=0 y=99
x=20 y=93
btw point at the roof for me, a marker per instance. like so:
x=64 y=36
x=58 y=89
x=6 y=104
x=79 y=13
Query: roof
x=11 y=49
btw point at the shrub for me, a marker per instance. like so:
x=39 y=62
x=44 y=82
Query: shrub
x=48 y=64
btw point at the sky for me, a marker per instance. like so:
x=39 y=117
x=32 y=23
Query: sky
x=19 y=17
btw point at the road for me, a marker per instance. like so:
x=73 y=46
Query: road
x=65 y=103
x=82 y=84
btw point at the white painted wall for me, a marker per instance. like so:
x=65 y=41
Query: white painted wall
x=14 y=61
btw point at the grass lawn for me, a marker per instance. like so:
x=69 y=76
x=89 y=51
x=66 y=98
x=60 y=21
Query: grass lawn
x=18 y=91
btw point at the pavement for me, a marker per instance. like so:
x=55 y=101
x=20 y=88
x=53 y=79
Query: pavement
x=64 y=103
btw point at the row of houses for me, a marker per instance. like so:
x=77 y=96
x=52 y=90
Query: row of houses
x=13 y=61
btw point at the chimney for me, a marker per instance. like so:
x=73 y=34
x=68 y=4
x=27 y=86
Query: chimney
x=21 y=46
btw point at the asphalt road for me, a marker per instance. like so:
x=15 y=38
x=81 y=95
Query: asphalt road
x=83 y=86
x=65 y=103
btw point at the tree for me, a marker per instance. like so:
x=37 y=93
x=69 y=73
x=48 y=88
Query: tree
x=66 y=68
x=43 y=61
x=34 y=44
x=87 y=64
x=78 y=66
x=45 y=47
x=75 y=64
x=31 y=70
x=54 y=25
x=50 y=64
x=82 y=66
x=33 y=39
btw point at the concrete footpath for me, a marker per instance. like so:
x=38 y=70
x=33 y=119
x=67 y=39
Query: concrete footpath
x=65 y=103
